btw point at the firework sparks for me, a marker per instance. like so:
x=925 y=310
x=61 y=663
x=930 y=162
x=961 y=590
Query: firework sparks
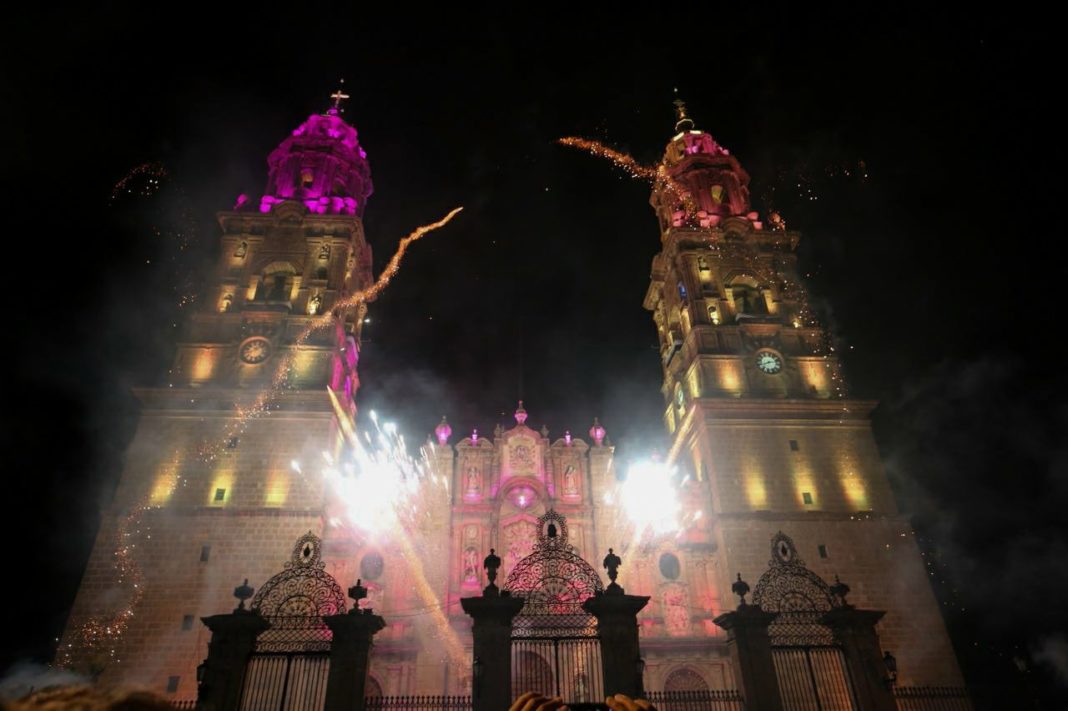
x=262 y=403
x=98 y=639
x=657 y=176
x=380 y=488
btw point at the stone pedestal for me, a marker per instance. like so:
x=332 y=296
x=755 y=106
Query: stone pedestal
x=617 y=625
x=492 y=633
x=855 y=629
x=750 y=648
x=233 y=639
x=350 y=650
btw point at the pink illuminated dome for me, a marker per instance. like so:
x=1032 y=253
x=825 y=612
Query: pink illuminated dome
x=597 y=432
x=321 y=165
x=443 y=432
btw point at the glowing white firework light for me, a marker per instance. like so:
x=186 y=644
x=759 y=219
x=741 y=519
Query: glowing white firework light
x=649 y=496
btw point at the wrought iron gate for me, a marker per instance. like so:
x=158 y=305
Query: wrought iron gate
x=291 y=661
x=555 y=647
x=809 y=663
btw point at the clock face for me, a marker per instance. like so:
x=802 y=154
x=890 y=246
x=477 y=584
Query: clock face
x=769 y=362
x=255 y=350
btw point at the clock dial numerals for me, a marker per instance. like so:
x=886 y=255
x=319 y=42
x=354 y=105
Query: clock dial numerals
x=769 y=362
x=255 y=350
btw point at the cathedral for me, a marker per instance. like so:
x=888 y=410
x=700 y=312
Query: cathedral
x=776 y=463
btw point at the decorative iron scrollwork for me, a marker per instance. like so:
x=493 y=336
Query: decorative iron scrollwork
x=787 y=585
x=797 y=594
x=303 y=588
x=555 y=581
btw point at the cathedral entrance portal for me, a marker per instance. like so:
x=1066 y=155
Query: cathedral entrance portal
x=555 y=647
x=809 y=661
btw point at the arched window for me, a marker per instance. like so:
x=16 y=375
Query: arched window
x=276 y=282
x=682 y=291
x=685 y=679
x=747 y=297
x=680 y=399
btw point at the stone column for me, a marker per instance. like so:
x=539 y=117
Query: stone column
x=233 y=638
x=750 y=648
x=617 y=625
x=855 y=630
x=350 y=650
x=492 y=632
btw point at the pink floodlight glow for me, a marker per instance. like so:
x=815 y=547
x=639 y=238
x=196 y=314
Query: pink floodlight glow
x=321 y=165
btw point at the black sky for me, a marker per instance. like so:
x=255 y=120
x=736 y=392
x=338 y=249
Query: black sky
x=940 y=272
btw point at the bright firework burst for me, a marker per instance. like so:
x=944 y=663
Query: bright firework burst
x=649 y=496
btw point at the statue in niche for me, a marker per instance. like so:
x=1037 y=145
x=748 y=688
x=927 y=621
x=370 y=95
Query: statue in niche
x=676 y=612
x=315 y=303
x=473 y=479
x=519 y=537
x=522 y=459
x=324 y=253
x=227 y=304
x=470 y=565
x=570 y=479
x=241 y=251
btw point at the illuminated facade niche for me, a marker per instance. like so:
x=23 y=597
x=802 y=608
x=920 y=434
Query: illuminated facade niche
x=753 y=393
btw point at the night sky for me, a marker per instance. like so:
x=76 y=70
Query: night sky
x=940 y=272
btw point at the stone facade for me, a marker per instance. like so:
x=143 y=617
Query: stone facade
x=765 y=437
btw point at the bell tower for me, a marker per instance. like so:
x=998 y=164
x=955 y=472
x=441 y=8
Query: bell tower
x=220 y=475
x=755 y=403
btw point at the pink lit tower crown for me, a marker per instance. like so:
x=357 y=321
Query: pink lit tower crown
x=321 y=165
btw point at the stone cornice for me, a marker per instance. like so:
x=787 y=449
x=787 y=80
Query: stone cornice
x=223 y=401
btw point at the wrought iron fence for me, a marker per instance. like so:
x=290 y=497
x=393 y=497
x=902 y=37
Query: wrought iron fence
x=568 y=667
x=286 y=682
x=813 y=679
x=703 y=700
x=289 y=667
x=418 y=703
x=932 y=698
x=293 y=634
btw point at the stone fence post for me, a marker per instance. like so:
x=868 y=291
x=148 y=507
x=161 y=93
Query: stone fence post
x=233 y=639
x=492 y=614
x=617 y=626
x=750 y=649
x=855 y=630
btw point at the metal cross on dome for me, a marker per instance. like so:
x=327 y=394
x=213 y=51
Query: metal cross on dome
x=339 y=96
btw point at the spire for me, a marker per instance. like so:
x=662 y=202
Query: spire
x=682 y=121
x=338 y=96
